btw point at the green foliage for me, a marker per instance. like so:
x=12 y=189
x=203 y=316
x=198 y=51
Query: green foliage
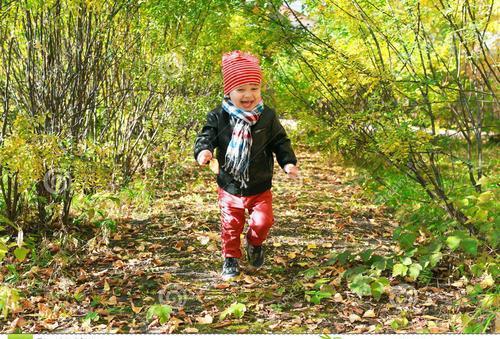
x=361 y=285
x=21 y=253
x=485 y=296
x=364 y=277
x=310 y=273
x=378 y=287
x=236 y=310
x=91 y=317
x=316 y=296
x=400 y=322
x=162 y=312
x=9 y=300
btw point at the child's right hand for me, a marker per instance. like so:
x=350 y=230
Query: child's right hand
x=204 y=157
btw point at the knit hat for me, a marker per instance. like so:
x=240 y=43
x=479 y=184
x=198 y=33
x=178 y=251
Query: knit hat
x=239 y=68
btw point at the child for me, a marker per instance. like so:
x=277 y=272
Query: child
x=246 y=133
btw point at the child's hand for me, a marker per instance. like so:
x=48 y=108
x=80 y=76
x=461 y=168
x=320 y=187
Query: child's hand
x=292 y=171
x=204 y=157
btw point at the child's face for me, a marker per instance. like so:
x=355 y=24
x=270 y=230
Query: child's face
x=246 y=96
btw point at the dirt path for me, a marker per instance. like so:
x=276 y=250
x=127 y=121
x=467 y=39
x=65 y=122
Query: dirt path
x=172 y=256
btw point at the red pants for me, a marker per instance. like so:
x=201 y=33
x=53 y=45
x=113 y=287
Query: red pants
x=232 y=218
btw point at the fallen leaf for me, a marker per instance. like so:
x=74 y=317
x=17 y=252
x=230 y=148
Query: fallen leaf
x=279 y=260
x=369 y=314
x=154 y=247
x=338 y=297
x=212 y=247
x=430 y=317
x=429 y=302
x=207 y=319
x=102 y=311
x=222 y=286
x=112 y=301
x=178 y=246
x=356 y=309
x=249 y=279
x=191 y=330
x=458 y=283
x=18 y=322
x=354 y=317
x=487 y=281
x=203 y=240
x=135 y=309
x=49 y=326
x=79 y=289
x=118 y=264
x=275 y=325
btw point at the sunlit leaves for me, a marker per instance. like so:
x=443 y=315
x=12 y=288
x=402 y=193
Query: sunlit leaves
x=237 y=310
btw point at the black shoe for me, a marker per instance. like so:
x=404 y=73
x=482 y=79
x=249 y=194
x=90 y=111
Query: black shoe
x=255 y=255
x=230 y=268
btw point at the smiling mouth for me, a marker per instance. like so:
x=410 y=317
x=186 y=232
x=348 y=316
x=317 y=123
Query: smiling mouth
x=246 y=102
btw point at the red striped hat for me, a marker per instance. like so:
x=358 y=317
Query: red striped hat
x=239 y=68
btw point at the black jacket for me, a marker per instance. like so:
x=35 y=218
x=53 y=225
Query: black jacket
x=268 y=137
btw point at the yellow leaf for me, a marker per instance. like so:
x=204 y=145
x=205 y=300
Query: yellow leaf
x=292 y=255
x=487 y=281
x=311 y=246
x=249 y=279
x=212 y=247
x=369 y=314
x=106 y=286
x=112 y=301
x=178 y=246
x=118 y=264
x=78 y=289
x=135 y=309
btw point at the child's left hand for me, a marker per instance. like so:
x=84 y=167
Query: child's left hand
x=291 y=170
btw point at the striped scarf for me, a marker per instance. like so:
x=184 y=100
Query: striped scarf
x=237 y=161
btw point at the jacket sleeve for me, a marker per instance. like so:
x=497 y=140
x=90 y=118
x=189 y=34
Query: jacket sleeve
x=207 y=137
x=281 y=144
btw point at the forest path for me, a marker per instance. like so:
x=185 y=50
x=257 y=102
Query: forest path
x=171 y=255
